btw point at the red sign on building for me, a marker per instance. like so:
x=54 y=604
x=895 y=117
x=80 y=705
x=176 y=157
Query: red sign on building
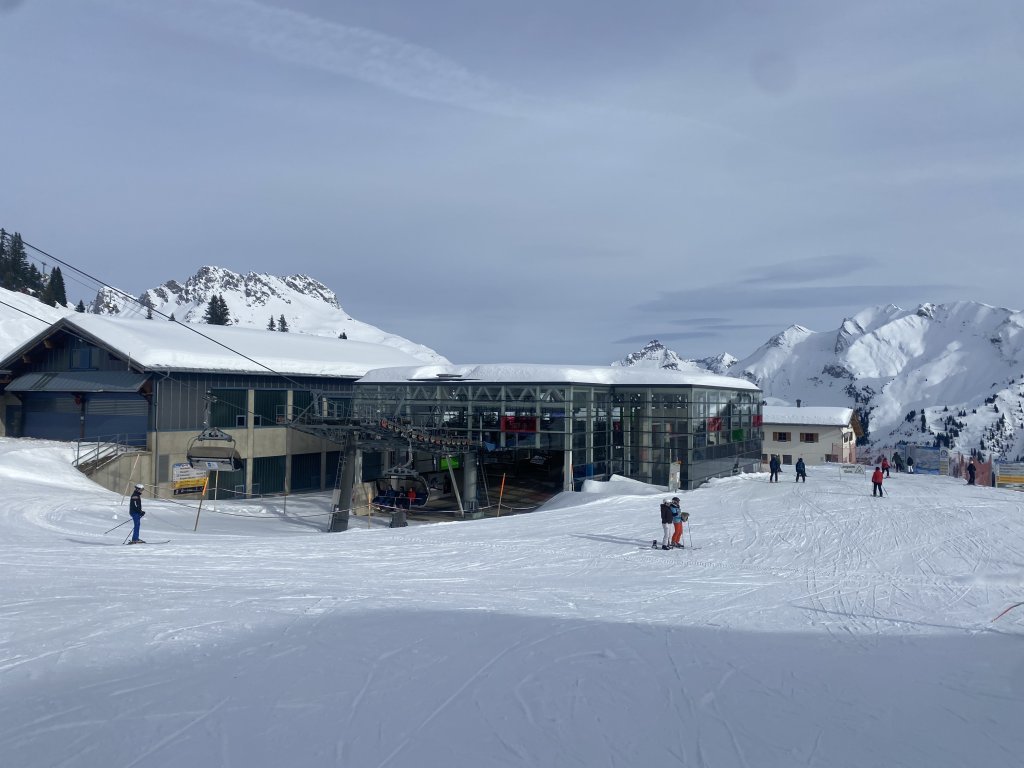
x=518 y=423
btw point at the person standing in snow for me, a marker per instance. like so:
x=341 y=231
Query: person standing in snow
x=910 y=465
x=773 y=467
x=876 y=482
x=135 y=510
x=971 y=471
x=666 y=525
x=801 y=470
x=677 y=523
x=885 y=466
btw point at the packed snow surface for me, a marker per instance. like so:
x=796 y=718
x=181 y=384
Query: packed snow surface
x=808 y=625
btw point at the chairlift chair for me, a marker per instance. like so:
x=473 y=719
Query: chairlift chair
x=214 y=450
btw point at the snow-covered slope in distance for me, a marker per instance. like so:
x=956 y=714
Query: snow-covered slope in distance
x=307 y=305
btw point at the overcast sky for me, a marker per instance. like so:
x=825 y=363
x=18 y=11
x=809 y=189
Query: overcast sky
x=529 y=180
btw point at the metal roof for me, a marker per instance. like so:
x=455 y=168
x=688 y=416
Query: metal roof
x=79 y=381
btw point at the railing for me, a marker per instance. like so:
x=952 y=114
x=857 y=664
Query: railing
x=96 y=451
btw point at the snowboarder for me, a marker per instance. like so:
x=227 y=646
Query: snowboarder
x=885 y=466
x=910 y=465
x=677 y=523
x=876 y=482
x=666 y=525
x=135 y=510
x=971 y=471
x=801 y=470
x=897 y=461
x=774 y=466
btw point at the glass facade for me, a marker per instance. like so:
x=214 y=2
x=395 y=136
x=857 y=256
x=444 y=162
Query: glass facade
x=657 y=433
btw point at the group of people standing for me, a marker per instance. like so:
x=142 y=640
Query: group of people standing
x=672 y=519
x=775 y=466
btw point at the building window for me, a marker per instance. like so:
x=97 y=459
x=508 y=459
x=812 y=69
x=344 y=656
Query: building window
x=83 y=357
x=808 y=437
x=780 y=437
x=787 y=459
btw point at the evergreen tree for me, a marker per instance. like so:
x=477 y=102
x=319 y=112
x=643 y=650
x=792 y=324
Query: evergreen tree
x=282 y=324
x=54 y=293
x=80 y=307
x=343 y=335
x=171 y=318
x=147 y=302
x=272 y=326
x=217 y=311
x=16 y=274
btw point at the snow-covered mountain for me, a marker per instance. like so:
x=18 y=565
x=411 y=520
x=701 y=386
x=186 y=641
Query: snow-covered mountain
x=654 y=354
x=950 y=373
x=253 y=299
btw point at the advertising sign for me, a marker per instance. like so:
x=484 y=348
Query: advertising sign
x=185 y=479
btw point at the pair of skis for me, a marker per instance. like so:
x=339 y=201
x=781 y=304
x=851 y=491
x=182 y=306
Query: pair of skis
x=656 y=545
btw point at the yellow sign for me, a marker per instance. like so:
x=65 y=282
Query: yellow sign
x=185 y=479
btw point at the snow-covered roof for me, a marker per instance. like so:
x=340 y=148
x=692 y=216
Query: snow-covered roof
x=828 y=416
x=163 y=345
x=554 y=374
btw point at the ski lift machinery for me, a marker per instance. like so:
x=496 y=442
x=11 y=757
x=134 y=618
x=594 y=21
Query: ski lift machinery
x=214 y=450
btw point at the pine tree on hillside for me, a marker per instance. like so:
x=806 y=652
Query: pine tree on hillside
x=147 y=302
x=16 y=274
x=282 y=324
x=171 y=318
x=80 y=307
x=217 y=311
x=272 y=325
x=54 y=293
x=343 y=335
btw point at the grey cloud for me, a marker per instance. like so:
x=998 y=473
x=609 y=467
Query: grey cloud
x=794 y=298
x=812 y=268
x=674 y=336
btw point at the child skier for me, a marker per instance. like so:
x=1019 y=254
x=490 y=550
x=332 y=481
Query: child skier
x=677 y=523
x=876 y=482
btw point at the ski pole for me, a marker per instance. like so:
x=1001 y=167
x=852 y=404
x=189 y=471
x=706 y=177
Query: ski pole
x=117 y=526
x=689 y=536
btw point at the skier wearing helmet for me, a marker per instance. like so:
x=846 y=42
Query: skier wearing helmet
x=135 y=510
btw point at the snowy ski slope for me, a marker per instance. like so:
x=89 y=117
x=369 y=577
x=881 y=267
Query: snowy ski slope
x=812 y=625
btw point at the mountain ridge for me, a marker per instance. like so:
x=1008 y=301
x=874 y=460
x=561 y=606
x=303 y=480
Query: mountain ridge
x=253 y=300
x=958 y=364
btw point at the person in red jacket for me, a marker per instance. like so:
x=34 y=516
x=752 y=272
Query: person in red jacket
x=876 y=482
x=885 y=466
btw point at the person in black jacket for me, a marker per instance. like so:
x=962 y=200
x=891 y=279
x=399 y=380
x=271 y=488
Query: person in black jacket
x=135 y=510
x=666 y=525
x=774 y=466
x=971 y=471
x=801 y=470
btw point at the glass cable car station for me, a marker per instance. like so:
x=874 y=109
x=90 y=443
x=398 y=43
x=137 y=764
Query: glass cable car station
x=574 y=423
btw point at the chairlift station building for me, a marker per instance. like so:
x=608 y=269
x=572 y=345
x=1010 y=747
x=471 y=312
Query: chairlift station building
x=305 y=411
